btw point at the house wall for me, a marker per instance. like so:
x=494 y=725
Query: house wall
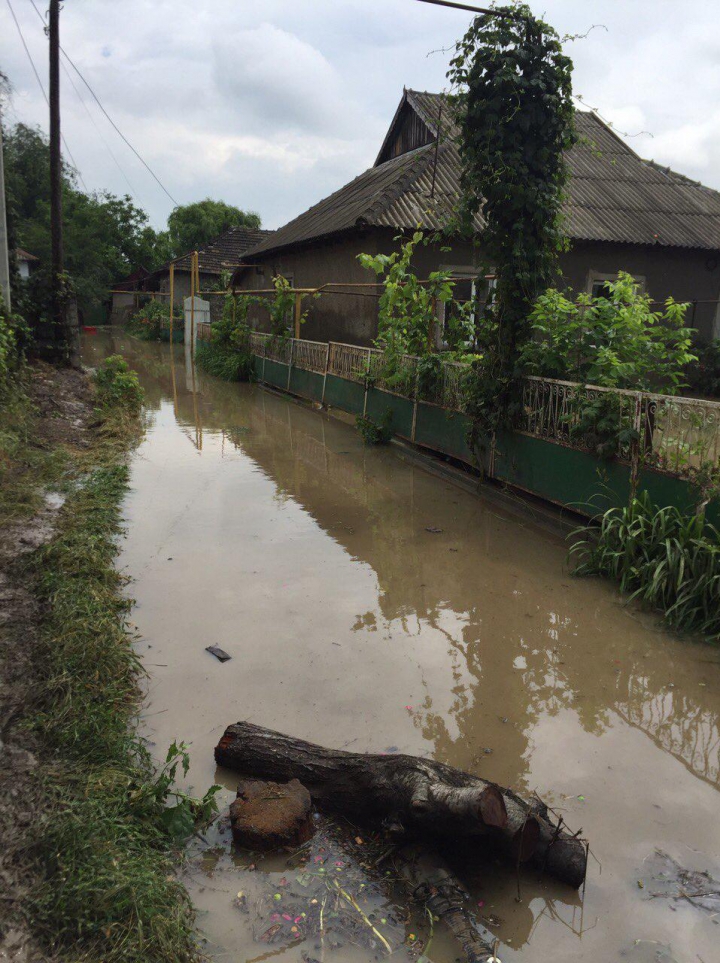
x=344 y=317
x=683 y=274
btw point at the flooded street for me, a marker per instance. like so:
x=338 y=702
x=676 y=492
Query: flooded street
x=266 y=528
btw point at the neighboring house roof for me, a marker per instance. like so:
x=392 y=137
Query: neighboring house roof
x=21 y=255
x=132 y=280
x=613 y=194
x=223 y=253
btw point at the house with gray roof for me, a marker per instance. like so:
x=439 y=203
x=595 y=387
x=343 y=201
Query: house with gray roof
x=623 y=213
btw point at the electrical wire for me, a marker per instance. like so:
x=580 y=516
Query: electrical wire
x=40 y=85
x=109 y=118
x=99 y=132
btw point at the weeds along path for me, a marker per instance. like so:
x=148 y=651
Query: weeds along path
x=86 y=850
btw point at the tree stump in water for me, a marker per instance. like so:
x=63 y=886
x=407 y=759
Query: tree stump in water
x=269 y=815
x=408 y=794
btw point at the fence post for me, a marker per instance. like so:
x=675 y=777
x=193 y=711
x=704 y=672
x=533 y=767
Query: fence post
x=365 y=379
x=415 y=403
x=327 y=365
x=264 y=352
x=292 y=345
x=635 y=446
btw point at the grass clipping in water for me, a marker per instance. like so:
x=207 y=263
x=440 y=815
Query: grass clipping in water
x=107 y=836
x=665 y=558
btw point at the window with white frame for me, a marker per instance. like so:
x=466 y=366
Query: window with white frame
x=470 y=286
x=597 y=284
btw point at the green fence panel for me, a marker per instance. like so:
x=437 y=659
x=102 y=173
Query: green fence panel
x=307 y=384
x=568 y=477
x=276 y=373
x=348 y=395
x=378 y=402
x=443 y=430
x=258 y=362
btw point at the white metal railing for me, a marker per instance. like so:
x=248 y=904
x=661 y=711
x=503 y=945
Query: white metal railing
x=675 y=434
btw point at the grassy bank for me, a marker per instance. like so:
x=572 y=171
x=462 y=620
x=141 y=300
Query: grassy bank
x=108 y=826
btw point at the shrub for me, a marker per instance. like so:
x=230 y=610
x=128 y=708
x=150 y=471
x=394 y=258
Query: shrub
x=663 y=557
x=14 y=338
x=373 y=432
x=227 y=355
x=118 y=386
x=152 y=322
x=615 y=341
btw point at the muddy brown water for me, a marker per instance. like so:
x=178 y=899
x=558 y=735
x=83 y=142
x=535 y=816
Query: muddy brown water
x=266 y=528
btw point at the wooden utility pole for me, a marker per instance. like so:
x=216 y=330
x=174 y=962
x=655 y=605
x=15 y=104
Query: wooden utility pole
x=4 y=251
x=64 y=321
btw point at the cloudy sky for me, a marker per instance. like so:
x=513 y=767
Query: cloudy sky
x=273 y=104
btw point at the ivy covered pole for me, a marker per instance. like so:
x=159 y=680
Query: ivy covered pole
x=514 y=95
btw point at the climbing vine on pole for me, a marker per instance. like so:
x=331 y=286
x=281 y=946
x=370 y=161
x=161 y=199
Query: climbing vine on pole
x=513 y=92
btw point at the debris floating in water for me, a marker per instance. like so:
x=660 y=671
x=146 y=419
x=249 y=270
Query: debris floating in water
x=219 y=653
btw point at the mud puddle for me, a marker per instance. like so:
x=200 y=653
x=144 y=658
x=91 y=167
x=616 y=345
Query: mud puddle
x=269 y=530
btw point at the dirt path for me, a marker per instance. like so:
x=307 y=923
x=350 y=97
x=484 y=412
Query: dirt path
x=60 y=412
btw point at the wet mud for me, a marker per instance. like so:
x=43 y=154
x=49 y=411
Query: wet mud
x=368 y=604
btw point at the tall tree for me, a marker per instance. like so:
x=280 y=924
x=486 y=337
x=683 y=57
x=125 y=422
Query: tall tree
x=106 y=236
x=193 y=226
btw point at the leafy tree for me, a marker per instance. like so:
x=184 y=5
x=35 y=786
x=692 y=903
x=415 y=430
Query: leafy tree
x=193 y=226
x=105 y=237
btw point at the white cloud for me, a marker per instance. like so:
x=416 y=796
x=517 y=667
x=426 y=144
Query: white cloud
x=275 y=104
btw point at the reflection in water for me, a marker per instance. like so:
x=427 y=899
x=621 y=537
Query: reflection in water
x=309 y=558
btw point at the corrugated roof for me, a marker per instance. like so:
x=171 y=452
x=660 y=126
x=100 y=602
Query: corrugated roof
x=224 y=253
x=613 y=194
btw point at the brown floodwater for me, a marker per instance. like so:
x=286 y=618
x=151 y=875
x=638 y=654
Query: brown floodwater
x=264 y=527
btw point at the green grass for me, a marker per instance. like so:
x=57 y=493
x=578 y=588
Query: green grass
x=665 y=558
x=105 y=841
x=222 y=362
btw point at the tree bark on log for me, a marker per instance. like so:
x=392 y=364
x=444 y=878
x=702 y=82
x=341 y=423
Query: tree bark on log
x=408 y=794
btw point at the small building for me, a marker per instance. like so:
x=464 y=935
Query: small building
x=623 y=213
x=26 y=263
x=223 y=254
x=125 y=293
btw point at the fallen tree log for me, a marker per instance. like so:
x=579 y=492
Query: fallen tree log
x=408 y=794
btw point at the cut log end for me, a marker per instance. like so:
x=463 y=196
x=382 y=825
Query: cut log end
x=492 y=807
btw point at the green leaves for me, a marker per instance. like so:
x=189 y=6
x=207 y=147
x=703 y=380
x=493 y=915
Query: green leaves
x=614 y=341
x=192 y=226
x=663 y=557
x=515 y=114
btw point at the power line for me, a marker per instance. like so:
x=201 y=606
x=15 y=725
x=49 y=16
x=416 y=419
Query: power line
x=40 y=85
x=467 y=6
x=99 y=132
x=112 y=122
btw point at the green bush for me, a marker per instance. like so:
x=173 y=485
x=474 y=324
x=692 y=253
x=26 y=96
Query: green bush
x=227 y=354
x=225 y=363
x=663 y=557
x=152 y=323
x=14 y=338
x=615 y=341
x=117 y=386
x=373 y=432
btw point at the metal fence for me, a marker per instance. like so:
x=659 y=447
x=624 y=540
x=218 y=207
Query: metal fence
x=674 y=434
